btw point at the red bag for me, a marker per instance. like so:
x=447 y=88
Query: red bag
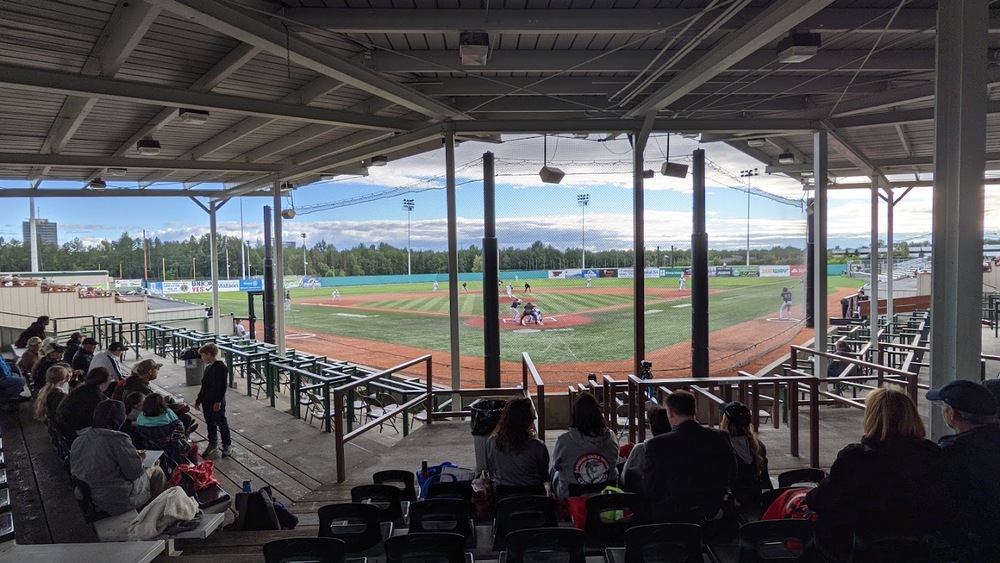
x=201 y=475
x=790 y=505
x=577 y=509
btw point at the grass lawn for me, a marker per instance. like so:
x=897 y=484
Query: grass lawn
x=421 y=320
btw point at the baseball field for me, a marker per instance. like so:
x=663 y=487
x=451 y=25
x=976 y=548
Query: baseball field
x=585 y=329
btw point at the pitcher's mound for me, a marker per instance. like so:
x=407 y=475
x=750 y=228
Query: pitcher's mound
x=551 y=321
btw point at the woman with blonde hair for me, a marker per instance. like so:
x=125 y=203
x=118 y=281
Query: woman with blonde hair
x=889 y=484
x=54 y=391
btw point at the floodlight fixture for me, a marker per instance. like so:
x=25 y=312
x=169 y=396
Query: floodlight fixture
x=786 y=158
x=288 y=213
x=549 y=174
x=193 y=116
x=116 y=172
x=758 y=142
x=798 y=47
x=148 y=146
x=285 y=186
x=97 y=184
x=473 y=48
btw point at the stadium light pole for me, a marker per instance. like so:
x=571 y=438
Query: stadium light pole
x=408 y=206
x=303 y=255
x=583 y=200
x=748 y=174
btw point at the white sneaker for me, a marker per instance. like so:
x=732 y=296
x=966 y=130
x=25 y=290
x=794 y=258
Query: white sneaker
x=26 y=393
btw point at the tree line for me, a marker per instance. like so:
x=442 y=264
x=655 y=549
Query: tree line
x=191 y=258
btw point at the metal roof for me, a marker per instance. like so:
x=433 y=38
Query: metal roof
x=299 y=88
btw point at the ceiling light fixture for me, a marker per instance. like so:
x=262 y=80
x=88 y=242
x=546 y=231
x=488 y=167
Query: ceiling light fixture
x=97 y=184
x=116 y=172
x=193 y=116
x=148 y=147
x=648 y=174
x=786 y=158
x=473 y=48
x=549 y=174
x=758 y=142
x=798 y=47
x=379 y=160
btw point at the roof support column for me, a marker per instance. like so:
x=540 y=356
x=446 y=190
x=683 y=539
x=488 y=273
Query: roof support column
x=699 y=269
x=33 y=233
x=491 y=266
x=820 y=318
x=639 y=241
x=279 y=271
x=959 y=159
x=873 y=260
x=450 y=196
x=213 y=241
x=890 y=256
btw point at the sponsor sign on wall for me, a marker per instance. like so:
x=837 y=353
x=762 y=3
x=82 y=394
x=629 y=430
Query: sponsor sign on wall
x=797 y=270
x=722 y=272
x=252 y=284
x=128 y=284
x=746 y=271
x=557 y=274
x=311 y=283
x=608 y=272
x=774 y=271
x=171 y=287
x=626 y=273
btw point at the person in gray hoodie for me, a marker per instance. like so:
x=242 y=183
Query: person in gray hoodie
x=587 y=453
x=104 y=458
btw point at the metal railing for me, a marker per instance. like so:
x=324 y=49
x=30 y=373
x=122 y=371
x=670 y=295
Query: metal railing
x=528 y=368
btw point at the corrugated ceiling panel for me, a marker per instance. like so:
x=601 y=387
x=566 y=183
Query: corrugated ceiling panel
x=266 y=77
x=109 y=124
x=266 y=134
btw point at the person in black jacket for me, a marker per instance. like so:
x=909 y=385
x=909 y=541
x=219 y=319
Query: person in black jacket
x=72 y=345
x=888 y=485
x=971 y=458
x=51 y=354
x=213 y=397
x=84 y=355
x=36 y=328
x=76 y=411
x=751 y=456
x=688 y=471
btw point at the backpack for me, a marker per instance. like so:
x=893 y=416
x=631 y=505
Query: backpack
x=447 y=472
x=255 y=511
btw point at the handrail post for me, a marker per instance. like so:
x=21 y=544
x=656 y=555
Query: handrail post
x=429 y=400
x=338 y=440
x=776 y=405
x=814 y=422
x=631 y=409
x=755 y=404
x=541 y=411
x=326 y=405
x=792 y=396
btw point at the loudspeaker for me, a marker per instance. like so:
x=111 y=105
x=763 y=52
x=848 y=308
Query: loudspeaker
x=674 y=170
x=551 y=174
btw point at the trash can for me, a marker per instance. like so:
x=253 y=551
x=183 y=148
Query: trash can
x=485 y=416
x=194 y=368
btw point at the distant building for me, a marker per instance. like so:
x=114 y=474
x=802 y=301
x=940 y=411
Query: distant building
x=289 y=244
x=48 y=232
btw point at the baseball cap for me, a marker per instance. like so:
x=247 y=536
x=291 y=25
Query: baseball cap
x=34 y=340
x=966 y=396
x=50 y=347
x=89 y=340
x=737 y=413
x=116 y=346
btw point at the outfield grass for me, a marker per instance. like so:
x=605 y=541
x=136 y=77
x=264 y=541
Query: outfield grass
x=421 y=321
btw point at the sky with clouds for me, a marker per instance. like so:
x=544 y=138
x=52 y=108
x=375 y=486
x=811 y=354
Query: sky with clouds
x=527 y=209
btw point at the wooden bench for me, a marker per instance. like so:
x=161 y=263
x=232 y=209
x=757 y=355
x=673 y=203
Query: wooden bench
x=115 y=529
x=139 y=552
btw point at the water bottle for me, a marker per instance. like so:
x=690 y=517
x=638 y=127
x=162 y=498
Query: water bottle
x=246 y=486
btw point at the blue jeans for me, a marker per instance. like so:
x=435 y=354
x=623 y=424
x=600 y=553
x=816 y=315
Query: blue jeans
x=217 y=419
x=11 y=387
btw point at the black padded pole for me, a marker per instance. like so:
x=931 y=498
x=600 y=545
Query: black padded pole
x=699 y=271
x=491 y=273
x=268 y=280
x=810 y=265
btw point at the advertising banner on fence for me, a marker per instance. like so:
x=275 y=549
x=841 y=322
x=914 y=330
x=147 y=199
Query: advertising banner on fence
x=252 y=284
x=721 y=272
x=746 y=271
x=557 y=274
x=774 y=271
x=171 y=287
x=608 y=272
x=292 y=282
x=128 y=284
x=671 y=272
x=629 y=273
x=797 y=270
x=311 y=283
